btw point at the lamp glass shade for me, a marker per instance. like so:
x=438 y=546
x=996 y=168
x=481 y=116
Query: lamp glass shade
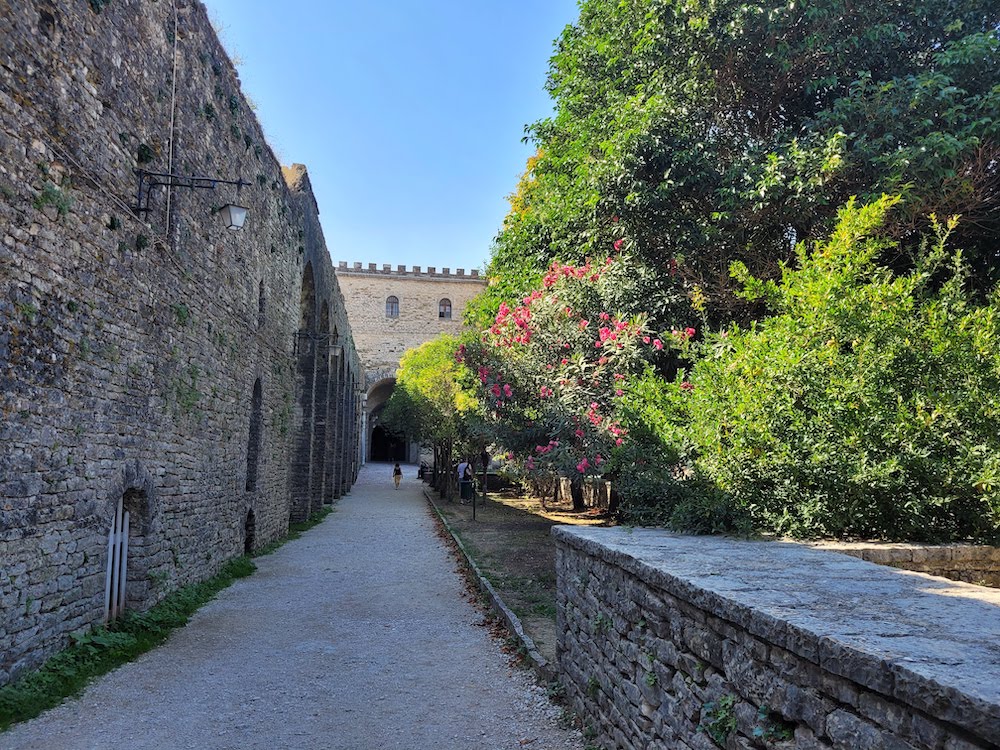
x=234 y=216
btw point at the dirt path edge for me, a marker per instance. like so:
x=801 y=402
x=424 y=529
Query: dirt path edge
x=545 y=670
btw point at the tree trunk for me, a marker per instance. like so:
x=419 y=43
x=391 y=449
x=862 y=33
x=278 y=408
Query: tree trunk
x=614 y=498
x=576 y=490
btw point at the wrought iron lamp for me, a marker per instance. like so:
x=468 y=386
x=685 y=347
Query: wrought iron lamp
x=233 y=214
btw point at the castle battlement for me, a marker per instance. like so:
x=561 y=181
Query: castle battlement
x=431 y=272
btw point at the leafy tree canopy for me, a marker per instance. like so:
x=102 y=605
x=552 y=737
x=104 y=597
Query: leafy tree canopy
x=705 y=132
x=431 y=396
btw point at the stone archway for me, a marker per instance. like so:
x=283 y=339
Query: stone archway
x=385 y=446
x=382 y=444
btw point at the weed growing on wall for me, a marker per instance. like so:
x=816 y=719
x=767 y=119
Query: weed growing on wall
x=718 y=719
x=52 y=195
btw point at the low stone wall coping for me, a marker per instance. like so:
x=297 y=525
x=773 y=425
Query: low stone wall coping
x=926 y=641
x=893 y=552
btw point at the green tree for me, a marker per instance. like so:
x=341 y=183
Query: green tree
x=433 y=401
x=703 y=133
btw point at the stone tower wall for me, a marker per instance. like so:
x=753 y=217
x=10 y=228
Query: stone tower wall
x=381 y=340
x=130 y=346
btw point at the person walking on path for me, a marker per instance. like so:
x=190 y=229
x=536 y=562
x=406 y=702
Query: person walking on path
x=397 y=475
x=335 y=643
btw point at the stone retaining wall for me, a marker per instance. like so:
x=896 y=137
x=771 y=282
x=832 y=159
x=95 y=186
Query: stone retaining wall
x=680 y=642
x=971 y=563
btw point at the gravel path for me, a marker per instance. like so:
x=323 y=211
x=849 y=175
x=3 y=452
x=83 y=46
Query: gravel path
x=355 y=636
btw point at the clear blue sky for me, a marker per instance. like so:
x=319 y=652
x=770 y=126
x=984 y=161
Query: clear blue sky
x=409 y=115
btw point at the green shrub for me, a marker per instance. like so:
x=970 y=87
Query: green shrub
x=867 y=406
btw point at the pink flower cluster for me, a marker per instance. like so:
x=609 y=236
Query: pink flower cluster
x=557 y=271
x=543 y=449
x=585 y=463
x=657 y=344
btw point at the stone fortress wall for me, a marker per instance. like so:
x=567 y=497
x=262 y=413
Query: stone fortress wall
x=670 y=641
x=203 y=379
x=382 y=339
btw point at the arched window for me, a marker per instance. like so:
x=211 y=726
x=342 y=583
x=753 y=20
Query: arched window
x=392 y=307
x=444 y=309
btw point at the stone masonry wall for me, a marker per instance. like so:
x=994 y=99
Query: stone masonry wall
x=151 y=358
x=680 y=642
x=971 y=563
x=381 y=340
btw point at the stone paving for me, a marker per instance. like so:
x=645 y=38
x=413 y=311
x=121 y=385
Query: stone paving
x=358 y=635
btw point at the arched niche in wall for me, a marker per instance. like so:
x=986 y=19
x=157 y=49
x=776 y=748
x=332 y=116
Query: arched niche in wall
x=131 y=524
x=261 y=305
x=254 y=439
x=307 y=304
x=249 y=532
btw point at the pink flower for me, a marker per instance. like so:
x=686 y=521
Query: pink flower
x=565 y=361
x=657 y=344
x=618 y=244
x=686 y=386
x=583 y=466
x=645 y=339
x=619 y=441
x=619 y=392
x=604 y=316
x=507 y=390
x=583 y=324
x=689 y=332
x=496 y=390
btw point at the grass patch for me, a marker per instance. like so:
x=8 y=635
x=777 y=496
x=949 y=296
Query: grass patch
x=104 y=648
